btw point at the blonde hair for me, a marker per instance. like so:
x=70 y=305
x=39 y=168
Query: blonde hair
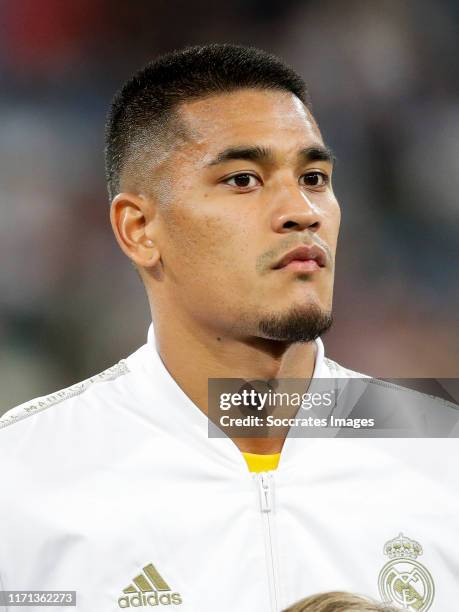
x=338 y=602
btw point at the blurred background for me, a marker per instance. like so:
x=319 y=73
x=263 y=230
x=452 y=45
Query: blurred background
x=383 y=80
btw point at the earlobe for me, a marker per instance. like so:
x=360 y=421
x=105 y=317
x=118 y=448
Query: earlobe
x=133 y=221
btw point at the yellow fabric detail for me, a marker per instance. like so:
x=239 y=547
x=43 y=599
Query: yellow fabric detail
x=261 y=463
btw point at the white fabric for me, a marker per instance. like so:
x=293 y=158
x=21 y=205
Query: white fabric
x=102 y=479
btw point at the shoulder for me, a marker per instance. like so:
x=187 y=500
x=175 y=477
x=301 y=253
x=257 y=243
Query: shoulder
x=400 y=406
x=65 y=398
x=69 y=436
x=74 y=431
x=115 y=384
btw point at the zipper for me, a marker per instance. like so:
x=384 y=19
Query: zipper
x=266 y=493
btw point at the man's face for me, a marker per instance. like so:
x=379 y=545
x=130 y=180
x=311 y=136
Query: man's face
x=250 y=184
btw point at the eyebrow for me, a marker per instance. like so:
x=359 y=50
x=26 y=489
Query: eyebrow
x=265 y=154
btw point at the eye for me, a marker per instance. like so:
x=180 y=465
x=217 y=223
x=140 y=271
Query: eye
x=242 y=181
x=314 y=179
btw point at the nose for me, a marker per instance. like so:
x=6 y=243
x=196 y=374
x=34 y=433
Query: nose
x=296 y=212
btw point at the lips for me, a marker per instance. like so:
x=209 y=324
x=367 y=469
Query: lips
x=313 y=255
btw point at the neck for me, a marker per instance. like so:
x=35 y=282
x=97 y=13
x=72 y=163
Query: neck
x=192 y=354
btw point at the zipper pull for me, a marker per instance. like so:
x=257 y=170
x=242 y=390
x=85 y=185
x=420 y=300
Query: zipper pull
x=264 y=486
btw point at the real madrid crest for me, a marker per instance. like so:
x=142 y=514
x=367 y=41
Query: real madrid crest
x=403 y=581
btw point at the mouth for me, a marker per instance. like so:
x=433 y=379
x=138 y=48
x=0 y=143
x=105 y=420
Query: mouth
x=302 y=259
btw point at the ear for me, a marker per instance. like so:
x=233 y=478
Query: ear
x=133 y=219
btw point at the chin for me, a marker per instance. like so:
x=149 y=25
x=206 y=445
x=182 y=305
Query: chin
x=302 y=323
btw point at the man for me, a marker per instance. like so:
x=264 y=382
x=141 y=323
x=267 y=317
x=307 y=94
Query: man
x=221 y=193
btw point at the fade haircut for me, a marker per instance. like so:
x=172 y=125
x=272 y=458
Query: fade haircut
x=143 y=114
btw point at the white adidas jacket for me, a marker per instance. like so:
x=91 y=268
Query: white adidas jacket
x=113 y=489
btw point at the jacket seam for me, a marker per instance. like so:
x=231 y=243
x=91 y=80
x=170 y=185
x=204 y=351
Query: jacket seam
x=23 y=411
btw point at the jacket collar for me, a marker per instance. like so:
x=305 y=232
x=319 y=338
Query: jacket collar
x=178 y=416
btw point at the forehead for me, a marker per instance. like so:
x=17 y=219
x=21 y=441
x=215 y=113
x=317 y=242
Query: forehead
x=275 y=119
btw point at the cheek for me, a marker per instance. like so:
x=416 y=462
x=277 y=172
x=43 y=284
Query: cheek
x=331 y=224
x=213 y=246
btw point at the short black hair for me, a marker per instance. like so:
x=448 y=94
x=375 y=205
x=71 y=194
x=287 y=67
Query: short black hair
x=145 y=106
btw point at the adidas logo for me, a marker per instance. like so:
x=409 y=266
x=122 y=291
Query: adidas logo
x=148 y=589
